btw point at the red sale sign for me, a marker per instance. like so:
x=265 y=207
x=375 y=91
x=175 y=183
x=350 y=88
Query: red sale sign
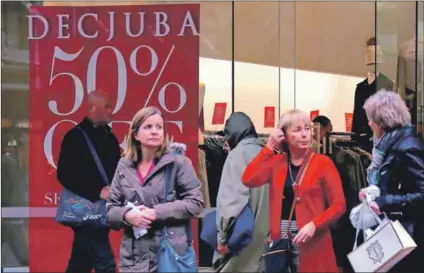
x=219 y=113
x=140 y=55
x=348 y=120
x=313 y=114
x=269 y=117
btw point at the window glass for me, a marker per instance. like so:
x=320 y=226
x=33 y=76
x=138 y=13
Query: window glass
x=257 y=59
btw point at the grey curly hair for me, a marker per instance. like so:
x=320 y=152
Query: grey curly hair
x=387 y=109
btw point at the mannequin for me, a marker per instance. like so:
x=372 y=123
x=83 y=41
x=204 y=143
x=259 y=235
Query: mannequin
x=373 y=83
x=201 y=166
x=410 y=71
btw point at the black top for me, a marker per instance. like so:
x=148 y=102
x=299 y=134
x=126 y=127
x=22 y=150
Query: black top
x=77 y=170
x=363 y=91
x=289 y=193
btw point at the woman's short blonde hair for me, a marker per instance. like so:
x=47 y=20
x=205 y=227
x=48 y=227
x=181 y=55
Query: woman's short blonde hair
x=133 y=147
x=291 y=116
x=387 y=109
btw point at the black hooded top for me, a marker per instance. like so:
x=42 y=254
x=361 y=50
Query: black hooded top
x=238 y=127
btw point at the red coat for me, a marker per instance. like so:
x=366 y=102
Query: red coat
x=321 y=201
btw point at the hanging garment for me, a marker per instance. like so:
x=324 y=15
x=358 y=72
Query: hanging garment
x=203 y=177
x=352 y=175
x=363 y=91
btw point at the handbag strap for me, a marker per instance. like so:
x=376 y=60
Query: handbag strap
x=167 y=186
x=96 y=157
x=299 y=179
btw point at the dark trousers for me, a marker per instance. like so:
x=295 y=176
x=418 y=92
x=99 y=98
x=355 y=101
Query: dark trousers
x=91 y=249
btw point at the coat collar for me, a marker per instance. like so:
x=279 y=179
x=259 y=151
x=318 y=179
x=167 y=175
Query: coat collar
x=130 y=168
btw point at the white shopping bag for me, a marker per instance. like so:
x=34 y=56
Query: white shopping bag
x=387 y=246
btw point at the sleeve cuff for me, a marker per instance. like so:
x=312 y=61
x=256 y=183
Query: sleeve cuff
x=162 y=211
x=125 y=210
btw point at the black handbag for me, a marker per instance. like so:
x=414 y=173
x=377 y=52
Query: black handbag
x=277 y=257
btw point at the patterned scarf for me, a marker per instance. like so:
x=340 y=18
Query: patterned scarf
x=379 y=151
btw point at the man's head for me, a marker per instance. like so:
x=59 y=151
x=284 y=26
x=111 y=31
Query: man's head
x=325 y=127
x=99 y=107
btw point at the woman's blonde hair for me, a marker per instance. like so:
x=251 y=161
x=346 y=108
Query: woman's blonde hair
x=133 y=148
x=291 y=116
x=287 y=119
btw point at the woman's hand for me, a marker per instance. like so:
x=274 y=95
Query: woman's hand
x=222 y=249
x=275 y=139
x=362 y=194
x=375 y=208
x=140 y=217
x=305 y=233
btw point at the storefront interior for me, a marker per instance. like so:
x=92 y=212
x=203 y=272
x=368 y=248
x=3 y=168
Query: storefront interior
x=253 y=55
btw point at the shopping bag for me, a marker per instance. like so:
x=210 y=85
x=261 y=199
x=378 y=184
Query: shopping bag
x=76 y=211
x=387 y=246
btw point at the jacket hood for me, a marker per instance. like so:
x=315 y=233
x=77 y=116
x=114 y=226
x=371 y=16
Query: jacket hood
x=238 y=127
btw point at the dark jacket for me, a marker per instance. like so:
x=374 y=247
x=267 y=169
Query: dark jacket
x=402 y=190
x=77 y=170
x=363 y=91
x=139 y=255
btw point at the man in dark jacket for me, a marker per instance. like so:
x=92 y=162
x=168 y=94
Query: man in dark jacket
x=78 y=173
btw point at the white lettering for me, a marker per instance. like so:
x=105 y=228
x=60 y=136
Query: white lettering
x=161 y=18
x=81 y=29
x=31 y=27
x=123 y=144
x=91 y=217
x=112 y=25
x=79 y=89
x=153 y=64
x=68 y=214
x=189 y=22
x=179 y=124
x=128 y=24
x=48 y=142
x=52 y=198
x=63 y=26
x=182 y=94
x=122 y=75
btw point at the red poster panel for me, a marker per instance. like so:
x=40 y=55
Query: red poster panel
x=314 y=114
x=269 y=117
x=140 y=55
x=348 y=119
x=219 y=113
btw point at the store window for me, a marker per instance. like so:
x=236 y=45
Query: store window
x=14 y=135
x=257 y=56
x=400 y=34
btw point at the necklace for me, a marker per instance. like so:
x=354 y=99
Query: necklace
x=300 y=171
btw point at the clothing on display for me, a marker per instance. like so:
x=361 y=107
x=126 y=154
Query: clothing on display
x=203 y=177
x=351 y=162
x=410 y=69
x=363 y=91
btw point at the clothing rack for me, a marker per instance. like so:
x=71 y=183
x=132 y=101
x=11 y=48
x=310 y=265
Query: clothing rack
x=344 y=139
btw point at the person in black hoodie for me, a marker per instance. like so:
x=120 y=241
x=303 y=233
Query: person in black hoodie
x=78 y=173
x=233 y=196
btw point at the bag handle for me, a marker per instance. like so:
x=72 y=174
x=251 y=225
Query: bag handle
x=96 y=157
x=376 y=217
x=167 y=186
x=299 y=178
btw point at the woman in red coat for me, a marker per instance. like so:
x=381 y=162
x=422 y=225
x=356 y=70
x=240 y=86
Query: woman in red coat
x=320 y=200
